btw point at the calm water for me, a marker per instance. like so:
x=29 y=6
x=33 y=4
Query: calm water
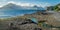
x=10 y=13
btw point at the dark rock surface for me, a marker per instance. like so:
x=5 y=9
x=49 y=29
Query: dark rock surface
x=24 y=25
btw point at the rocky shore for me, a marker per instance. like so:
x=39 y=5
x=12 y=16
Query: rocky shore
x=23 y=22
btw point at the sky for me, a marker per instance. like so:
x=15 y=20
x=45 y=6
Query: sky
x=42 y=3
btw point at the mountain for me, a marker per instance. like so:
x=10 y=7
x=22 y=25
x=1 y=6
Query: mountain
x=12 y=6
x=38 y=8
x=50 y=8
x=58 y=4
x=54 y=8
x=16 y=10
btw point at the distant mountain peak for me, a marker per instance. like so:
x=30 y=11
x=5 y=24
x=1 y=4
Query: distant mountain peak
x=11 y=4
x=17 y=7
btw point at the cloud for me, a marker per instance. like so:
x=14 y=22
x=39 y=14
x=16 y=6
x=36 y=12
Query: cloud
x=21 y=4
x=42 y=4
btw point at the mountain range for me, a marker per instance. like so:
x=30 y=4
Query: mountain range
x=11 y=10
x=12 y=6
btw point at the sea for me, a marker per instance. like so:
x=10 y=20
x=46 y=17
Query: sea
x=12 y=13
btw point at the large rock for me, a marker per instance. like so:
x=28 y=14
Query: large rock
x=28 y=26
